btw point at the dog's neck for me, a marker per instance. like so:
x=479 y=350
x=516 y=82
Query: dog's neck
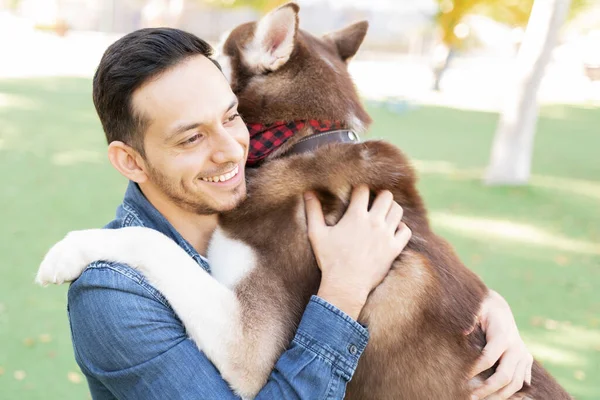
x=289 y=137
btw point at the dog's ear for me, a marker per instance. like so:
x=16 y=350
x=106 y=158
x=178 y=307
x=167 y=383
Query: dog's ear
x=273 y=40
x=349 y=39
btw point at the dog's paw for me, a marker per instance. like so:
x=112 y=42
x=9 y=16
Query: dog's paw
x=65 y=261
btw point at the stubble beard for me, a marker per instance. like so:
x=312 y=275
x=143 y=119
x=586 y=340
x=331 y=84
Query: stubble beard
x=181 y=196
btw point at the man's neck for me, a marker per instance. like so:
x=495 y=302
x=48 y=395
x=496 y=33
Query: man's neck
x=196 y=229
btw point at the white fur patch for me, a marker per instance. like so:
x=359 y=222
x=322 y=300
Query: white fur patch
x=278 y=27
x=222 y=59
x=230 y=260
x=225 y=62
x=222 y=39
x=209 y=311
x=356 y=124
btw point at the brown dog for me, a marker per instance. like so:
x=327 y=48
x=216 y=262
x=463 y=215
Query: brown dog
x=416 y=317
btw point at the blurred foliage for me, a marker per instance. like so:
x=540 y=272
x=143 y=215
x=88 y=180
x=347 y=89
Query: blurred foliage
x=260 y=5
x=13 y=4
x=511 y=12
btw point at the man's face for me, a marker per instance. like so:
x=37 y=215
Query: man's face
x=196 y=144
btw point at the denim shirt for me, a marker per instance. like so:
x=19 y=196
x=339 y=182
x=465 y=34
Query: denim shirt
x=130 y=344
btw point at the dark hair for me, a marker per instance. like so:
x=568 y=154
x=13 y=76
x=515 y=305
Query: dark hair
x=129 y=63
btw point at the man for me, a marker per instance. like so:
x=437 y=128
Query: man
x=173 y=130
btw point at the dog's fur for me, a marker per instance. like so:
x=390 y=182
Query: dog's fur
x=416 y=317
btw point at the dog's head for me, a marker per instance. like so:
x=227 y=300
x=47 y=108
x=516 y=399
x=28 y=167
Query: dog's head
x=280 y=72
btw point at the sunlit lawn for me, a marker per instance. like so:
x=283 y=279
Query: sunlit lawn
x=537 y=245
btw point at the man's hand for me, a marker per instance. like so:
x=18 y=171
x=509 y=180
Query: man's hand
x=356 y=254
x=505 y=344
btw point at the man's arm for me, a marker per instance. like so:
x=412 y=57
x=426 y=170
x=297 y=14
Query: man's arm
x=128 y=342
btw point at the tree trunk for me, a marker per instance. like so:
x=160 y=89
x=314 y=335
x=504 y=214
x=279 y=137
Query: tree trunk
x=511 y=155
x=440 y=70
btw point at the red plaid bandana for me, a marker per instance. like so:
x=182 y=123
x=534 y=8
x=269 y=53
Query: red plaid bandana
x=264 y=139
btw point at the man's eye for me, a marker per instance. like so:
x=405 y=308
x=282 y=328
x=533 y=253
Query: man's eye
x=192 y=140
x=234 y=116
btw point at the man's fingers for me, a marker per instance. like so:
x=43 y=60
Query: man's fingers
x=501 y=378
x=470 y=330
x=528 y=370
x=517 y=381
x=491 y=353
x=359 y=201
x=382 y=204
x=394 y=216
x=314 y=213
x=402 y=235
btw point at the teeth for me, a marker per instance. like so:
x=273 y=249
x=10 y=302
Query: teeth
x=224 y=177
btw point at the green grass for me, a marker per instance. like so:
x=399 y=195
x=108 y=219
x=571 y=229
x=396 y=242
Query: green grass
x=536 y=245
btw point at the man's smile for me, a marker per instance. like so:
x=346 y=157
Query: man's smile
x=227 y=178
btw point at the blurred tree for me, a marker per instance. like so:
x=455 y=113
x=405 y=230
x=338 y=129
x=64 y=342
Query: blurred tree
x=13 y=4
x=260 y=5
x=512 y=150
x=448 y=19
x=169 y=12
x=454 y=33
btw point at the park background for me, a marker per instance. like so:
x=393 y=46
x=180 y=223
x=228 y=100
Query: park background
x=446 y=80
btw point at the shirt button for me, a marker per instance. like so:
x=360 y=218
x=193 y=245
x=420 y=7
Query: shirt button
x=353 y=349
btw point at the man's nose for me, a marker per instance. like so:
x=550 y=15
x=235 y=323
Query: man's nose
x=226 y=148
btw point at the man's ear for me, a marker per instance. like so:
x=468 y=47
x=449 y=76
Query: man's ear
x=127 y=161
x=349 y=39
x=274 y=39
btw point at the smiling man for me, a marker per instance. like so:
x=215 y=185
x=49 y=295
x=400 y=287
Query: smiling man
x=173 y=130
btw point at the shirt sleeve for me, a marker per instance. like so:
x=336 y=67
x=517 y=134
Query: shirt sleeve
x=130 y=345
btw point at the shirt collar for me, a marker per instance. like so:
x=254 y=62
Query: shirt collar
x=136 y=203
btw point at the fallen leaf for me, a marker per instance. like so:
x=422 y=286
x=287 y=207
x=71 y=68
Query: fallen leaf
x=45 y=338
x=579 y=375
x=51 y=354
x=551 y=324
x=29 y=342
x=561 y=260
x=74 y=377
x=20 y=375
x=536 y=321
x=1 y=371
